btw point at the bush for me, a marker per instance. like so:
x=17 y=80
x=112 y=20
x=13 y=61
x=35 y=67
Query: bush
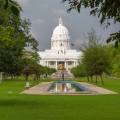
x=79 y=71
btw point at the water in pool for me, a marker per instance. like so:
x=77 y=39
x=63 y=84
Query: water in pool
x=67 y=87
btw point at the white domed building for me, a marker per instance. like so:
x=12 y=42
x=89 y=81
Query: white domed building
x=60 y=52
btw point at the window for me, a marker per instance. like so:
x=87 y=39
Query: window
x=70 y=62
x=52 y=62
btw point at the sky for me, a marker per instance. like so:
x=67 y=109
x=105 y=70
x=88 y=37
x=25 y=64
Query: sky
x=44 y=15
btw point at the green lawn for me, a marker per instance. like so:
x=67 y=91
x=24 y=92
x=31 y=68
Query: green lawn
x=15 y=106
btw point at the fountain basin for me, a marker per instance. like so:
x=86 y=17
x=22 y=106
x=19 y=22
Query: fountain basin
x=64 y=87
x=67 y=88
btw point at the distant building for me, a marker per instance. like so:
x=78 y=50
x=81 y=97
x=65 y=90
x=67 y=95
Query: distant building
x=60 y=54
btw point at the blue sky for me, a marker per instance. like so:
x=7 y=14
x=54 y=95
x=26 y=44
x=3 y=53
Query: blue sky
x=44 y=15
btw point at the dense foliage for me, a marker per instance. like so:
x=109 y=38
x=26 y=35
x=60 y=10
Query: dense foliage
x=110 y=57
x=31 y=66
x=79 y=71
x=15 y=41
x=115 y=54
x=96 y=59
x=10 y=50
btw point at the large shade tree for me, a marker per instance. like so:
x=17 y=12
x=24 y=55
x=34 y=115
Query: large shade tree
x=104 y=9
x=96 y=58
x=96 y=61
x=10 y=50
x=15 y=37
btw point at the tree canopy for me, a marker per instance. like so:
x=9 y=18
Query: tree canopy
x=96 y=59
x=104 y=9
x=15 y=37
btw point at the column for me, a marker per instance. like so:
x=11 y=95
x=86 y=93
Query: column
x=56 y=65
x=74 y=63
x=65 y=88
x=65 y=65
x=47 y=63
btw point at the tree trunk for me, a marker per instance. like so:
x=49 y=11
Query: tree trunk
x=27 y=85
x=88 y=78
x=96 y=79
x=101 y=79
x=91 y=78
x=39 y=77
x=1 y=77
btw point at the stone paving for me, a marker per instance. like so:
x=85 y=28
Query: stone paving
x=97 y=90
x=41 y=89
x=38 y=89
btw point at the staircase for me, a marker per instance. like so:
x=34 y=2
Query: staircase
x=58 y=75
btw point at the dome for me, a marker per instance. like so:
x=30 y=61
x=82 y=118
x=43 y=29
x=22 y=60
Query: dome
x=60 y=37
x=60 y=32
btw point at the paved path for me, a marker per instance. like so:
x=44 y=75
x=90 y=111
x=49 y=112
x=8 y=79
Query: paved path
x=97 y=90
x=38 y=89
x=41 y=89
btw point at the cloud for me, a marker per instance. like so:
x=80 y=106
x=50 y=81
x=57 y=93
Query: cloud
x=38 y=21
x=60 y=12
x=23 y=2
x=79 y=42
x=35 y=34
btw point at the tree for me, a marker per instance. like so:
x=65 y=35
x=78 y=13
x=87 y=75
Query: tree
x=97 y=61
x=10 y=16
x=10 y=50
x=25 y=30
x=96 y=58
x=104 y=9
x=9 y=10
x=48 y=71
x=79 y=71
x=115 y=54
x=15 y=37
x=31 y=66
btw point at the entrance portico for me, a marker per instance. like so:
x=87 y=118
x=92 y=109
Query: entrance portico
x=67 y=64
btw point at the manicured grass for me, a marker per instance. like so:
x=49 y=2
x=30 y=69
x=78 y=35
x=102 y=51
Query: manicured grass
x=15 y=106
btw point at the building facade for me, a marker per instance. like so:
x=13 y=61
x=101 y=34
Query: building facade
x=60 y=54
